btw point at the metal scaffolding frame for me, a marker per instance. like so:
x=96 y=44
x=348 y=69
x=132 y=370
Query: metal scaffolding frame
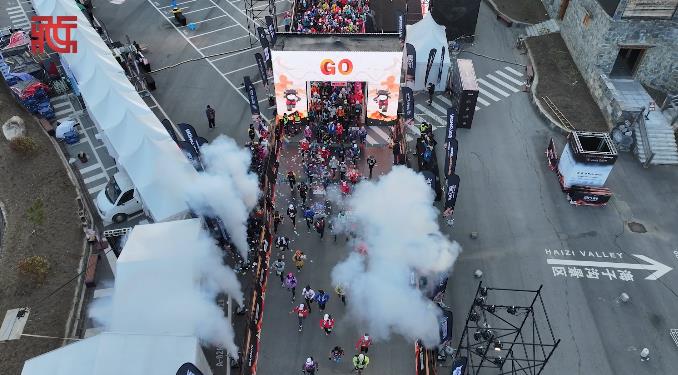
x=496 y=336
x=255 y=11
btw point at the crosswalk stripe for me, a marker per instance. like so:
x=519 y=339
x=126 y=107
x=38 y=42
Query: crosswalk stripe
x=508 y=77
x=90 y=168
x=445 y=100
x=493 y=87
x=415 y=129
x=371 y=140
x=96 y=189
x=440 y=108
x=519 y=74
x=381 y=133
x=14 y=7
x=482 y=91
x=96 y=177
x=432 y=115
x=483 y=101
x=502 y=83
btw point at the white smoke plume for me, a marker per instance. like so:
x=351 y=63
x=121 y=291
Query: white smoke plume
x=173 y=294
x=226 y=188
x=396 y=220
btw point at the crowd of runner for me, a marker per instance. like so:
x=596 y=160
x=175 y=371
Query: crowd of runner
x=331 y=16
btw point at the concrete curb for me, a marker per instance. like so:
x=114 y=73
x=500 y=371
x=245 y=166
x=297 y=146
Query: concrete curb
x=494 y=8
x=549 y=120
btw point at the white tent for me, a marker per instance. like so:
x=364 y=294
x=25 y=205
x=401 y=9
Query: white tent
x=126 y=122
x=424 y=36
x=119 y=353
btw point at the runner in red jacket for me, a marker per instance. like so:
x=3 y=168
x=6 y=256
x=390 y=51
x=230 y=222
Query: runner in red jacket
x=302 y=313
x=364 y=343
x=327 y=324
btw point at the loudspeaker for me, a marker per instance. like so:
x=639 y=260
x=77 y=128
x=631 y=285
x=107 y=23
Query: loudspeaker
x=458 y=16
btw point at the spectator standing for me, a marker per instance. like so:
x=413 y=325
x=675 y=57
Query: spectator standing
x=251 y=133
x=302 y=313
x=290 y=282
x=309 y=296
x=209 y=111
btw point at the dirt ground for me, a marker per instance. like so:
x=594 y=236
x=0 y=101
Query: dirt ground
x=528 y=11
x=560 y=80
x=23 y=180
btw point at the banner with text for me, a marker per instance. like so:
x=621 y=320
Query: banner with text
x=251 y=95
x=380 y=70
x=408 y=105
x=429 y=64
x=270 y=27
x=411 y=61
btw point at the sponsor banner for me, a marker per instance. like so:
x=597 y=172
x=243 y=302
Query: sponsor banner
x=190 y=154
x=442 y=62
x=459 y=366
x=445 y=324
x=188 y=369
x=452 y=191
x=411 y=61
x=408 y=103
x=439 y=288
x=380 y=70
x=270 y=27
x=400 y=24
x=451 y=152
x=201 y=141
x=589 y=196
x=251 y=96
x=429 y=64
x=451 y=125
x=576 y=173
x=262 y=68
x=263 y=40
x=190 y=135
x=168 y=126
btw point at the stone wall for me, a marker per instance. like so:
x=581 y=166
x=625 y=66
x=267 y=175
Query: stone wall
x=594 y=46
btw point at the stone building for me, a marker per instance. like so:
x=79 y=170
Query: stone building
x=635 y=39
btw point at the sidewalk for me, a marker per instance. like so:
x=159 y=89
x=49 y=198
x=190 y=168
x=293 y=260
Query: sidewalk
x=558 y=79
x=522 y=11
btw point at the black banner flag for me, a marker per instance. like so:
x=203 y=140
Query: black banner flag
x=190 y=135
x=459 y=366
x=442 y=62
x=411 y=64
x=452 y=191
x=190 y=154
x=270 y=27
x=451 y=125
x=408 y=103
x=168 y=126
x=452 y=150
x=400 y=22
x=429 y=64
x=188 y=369
x=445 y=324
x=262 y=68
x=251 y=96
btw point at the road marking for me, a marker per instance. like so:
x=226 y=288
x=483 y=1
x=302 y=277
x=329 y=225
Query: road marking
x=482 y=91
x=96 y=189
x=243 y=68
x=213 y=31
x=209 y=19
x=502 y=83
x=483 y=101
x=508 y=77
x=14 y=11
x=233 y=54
x=198 y=10
x=90 y=168
x=658 y=269
x=493 y=87
x=381 y=133
x=430 y=114
x=181 y=3
x=445 y=100
x=225 y=41
x=96 y=177
x=371 y=140
x=440 y=108
x=519 y=74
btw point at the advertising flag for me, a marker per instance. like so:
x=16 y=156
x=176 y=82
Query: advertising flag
x=251 y=96
x=190 y=135
x=168 y=126
x=445 y=324
x=452 y=149
x=201 y=141
x=261 y=33
x=408 y=103
x=188 y=369
x=429 y=64
x=270 y=27
x=262 y=68
x=190 y=154
x=442 y=62
x=451 y=125
x=411 y=60
x=400 y=22
x=451 y=192
x=459 y=366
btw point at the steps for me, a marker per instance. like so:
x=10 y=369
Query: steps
x=543 y=28
x=661 y=139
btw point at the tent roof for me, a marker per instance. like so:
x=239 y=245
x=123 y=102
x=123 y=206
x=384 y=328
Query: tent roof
x=123 y=116
x=426 y=35
x=118 y=353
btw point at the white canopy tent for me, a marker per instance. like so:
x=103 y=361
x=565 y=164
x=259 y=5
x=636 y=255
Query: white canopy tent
x=424 y=36
x=120 y=353
x=126 y=122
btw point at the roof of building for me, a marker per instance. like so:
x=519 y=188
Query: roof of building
x=337 y=42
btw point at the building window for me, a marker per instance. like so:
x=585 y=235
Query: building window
x=627 y=62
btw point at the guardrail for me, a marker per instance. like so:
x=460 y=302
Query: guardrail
x=647 y=148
